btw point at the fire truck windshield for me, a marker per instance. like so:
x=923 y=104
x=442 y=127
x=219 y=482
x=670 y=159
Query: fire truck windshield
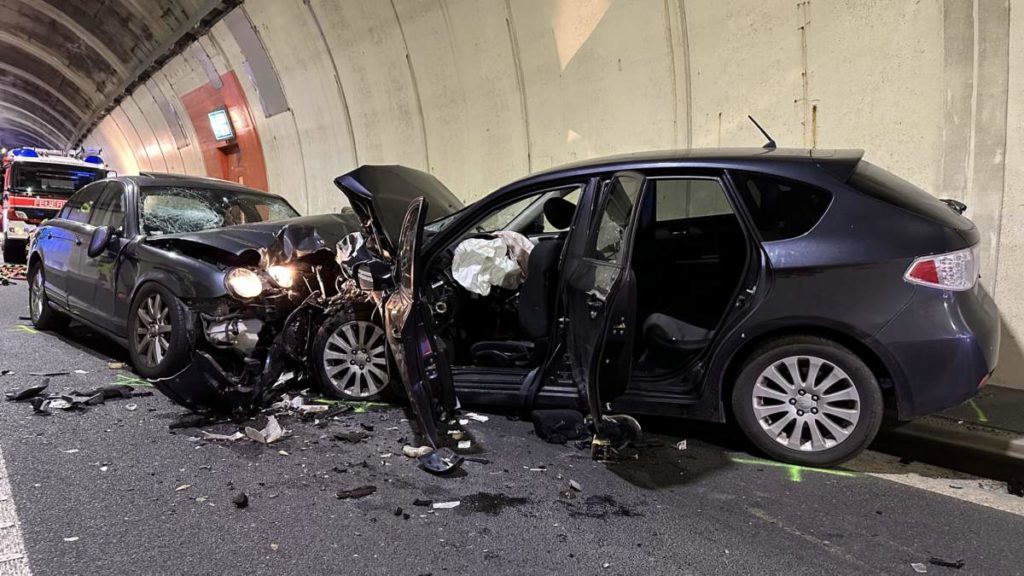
x=51 y=179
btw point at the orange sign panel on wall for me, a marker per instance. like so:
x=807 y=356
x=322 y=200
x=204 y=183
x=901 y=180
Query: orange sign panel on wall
x=239 y=159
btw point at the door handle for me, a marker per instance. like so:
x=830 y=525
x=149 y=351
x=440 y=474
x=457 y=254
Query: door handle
x=595 y=303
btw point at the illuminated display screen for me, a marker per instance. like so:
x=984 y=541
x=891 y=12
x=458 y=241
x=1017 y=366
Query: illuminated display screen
x=220 y=123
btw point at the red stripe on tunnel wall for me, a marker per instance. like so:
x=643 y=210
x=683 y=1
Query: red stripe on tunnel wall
x=240 y=159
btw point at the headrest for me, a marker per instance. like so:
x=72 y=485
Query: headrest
x=559 y=212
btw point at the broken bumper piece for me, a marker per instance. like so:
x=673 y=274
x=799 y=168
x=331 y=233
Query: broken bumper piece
x=203 y=386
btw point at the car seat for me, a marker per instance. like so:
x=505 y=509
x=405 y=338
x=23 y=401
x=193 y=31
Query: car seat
x=536 y=297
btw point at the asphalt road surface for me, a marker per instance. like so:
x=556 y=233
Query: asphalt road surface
x=111 y=490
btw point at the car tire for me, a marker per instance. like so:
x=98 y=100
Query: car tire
x=825 y=414
x=166 y=346
x=43 y=316
x=351 y=360
x=14 y=252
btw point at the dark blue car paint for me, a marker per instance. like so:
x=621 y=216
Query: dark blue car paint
x=843 y=279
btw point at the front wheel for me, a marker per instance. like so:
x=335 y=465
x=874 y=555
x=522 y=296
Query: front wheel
x=158 y=339
x=350 y=358
x=807 y=401
x=43 y=316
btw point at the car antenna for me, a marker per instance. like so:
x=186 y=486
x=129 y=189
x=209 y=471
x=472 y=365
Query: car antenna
x=770 y=144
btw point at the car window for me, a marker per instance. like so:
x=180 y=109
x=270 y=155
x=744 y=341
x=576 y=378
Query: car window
x=619 y=201
x=83 y=202
x=781 y=209
x=109 y=209
x=503 y=217
x=890 y=188
x=170 y=210
x=683 y=198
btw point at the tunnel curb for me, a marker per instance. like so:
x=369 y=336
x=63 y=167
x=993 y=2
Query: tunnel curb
x=958 y=445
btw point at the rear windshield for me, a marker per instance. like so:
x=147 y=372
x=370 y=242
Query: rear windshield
x=888 y=187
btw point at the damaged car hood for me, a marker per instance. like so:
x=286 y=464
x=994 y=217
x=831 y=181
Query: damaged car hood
x=244 y=239
x=380 y=195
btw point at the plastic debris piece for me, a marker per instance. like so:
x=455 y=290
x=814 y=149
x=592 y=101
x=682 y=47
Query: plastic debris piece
x=575 y=486
x=274 y=546
x=41 y=406
x=182 y=487
x=80 y=371
x=71 y=539
x=27 y=393
x=456 y=434
x=422 y=502
x=104 y=468
x=361 y=492
x=956 y=564
x=71 y=451
x=445 y=505
x=49 y=374
x=477 y=417
x=919 y=567
x=283 y=453
x=241 y=500
x=271 y=433
x=61 y=404
x=353 y=437
x=464 y=444
x=416 y=452
x=115 y=365
x=131 y=407
x=681 y=445
x=227 y=437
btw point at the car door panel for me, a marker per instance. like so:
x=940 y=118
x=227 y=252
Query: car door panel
x=97 y=276
x=423 y=366
x=599 y=293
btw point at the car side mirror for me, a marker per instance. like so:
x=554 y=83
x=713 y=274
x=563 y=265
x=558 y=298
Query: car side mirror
x=99 y=241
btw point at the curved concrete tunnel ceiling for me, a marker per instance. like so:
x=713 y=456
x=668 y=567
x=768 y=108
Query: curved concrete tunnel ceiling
x=63 y=63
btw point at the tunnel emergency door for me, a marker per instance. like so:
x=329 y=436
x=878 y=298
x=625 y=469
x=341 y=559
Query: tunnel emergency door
x=599 y=292
x=425 y=372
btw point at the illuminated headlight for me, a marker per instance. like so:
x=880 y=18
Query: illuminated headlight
x=243 y=283
x=283 y=276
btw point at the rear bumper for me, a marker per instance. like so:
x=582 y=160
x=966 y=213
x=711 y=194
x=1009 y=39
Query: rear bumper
x=942 y=348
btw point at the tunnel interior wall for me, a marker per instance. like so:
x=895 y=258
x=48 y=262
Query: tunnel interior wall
x=480 y=92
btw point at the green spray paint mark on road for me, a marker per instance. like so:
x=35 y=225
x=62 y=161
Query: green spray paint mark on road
x=977 y=410
x=125 y=380
x=795 y=472
x=23 y=328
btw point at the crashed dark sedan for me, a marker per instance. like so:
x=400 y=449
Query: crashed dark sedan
x=796 y=293
x=213 y=287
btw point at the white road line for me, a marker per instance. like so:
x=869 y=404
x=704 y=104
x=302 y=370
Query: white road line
x=13 y=559
x=976 y=491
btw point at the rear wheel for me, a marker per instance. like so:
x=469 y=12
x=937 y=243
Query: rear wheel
x=158 y=340
x=807 y=400
x=351 y=358
x=43 y=316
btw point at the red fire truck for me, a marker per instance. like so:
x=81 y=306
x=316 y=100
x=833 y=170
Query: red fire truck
x=37 y=183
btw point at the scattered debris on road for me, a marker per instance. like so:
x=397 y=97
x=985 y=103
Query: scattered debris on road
x=241 y=500
x=956 y=564
x=416 y=452
x=27 y=393
x=361 y=492
x=559 y=426
x=115 y=365
x=445 y=505
x=271 y=433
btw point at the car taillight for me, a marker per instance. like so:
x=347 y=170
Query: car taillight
x=953 y=271
x=13 y=214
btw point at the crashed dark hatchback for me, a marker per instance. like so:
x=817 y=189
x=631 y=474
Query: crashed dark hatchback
x=798 y=294
x=211 y=286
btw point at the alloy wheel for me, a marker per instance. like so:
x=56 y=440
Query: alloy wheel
x=806 y=403
x=355 y=359
x=153 y=330
x=37 y=297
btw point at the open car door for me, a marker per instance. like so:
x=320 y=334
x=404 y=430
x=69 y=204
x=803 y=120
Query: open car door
x=599 y=295
x=425 y=371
